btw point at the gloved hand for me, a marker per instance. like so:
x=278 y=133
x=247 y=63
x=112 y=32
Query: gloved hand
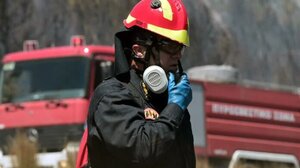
x=180 y=93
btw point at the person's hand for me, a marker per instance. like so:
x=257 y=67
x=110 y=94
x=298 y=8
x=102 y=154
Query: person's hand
x=180 y=93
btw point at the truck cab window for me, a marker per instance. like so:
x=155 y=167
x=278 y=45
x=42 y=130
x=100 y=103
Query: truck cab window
x=103 y=69
x=42 y=79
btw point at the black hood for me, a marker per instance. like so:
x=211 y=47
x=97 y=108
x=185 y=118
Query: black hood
x=123 y=43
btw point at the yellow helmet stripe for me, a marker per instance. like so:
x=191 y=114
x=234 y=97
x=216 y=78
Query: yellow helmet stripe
x=166 y=9
x=180 y=36
x=130 y=19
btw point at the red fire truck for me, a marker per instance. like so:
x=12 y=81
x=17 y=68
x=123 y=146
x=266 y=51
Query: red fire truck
x=243 y=123
x=45 y=92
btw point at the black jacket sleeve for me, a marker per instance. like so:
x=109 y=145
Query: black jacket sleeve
x=120 y=122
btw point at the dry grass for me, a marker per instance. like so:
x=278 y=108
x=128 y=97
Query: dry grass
x=202 y=162
x=24 y=151
x=71 y=156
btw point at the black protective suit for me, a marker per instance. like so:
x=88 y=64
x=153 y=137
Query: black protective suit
x=121 y=137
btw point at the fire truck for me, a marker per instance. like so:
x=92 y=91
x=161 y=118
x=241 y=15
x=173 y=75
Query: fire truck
x=45 y=93
x=243 y=123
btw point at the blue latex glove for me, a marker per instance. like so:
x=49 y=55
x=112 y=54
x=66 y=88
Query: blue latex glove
x=180 y=93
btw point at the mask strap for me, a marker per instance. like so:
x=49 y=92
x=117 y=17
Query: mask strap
x=157 y=57
x=148 y=55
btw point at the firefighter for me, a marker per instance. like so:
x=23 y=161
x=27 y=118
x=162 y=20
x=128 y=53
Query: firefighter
x=139 y=117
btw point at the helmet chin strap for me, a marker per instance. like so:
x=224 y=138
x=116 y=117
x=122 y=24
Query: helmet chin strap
x=157 y=57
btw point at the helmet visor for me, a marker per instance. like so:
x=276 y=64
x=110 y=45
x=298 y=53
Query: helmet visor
x=170 y=47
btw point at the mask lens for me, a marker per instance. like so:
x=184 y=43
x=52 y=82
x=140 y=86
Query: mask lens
x=171 y=47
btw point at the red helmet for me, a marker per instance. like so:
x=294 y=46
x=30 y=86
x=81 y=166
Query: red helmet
x=167 y=18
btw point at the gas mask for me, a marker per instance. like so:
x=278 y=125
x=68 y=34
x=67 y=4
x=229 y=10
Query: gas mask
x=156 y=79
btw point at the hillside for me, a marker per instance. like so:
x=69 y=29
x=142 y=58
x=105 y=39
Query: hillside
x=259 y=37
